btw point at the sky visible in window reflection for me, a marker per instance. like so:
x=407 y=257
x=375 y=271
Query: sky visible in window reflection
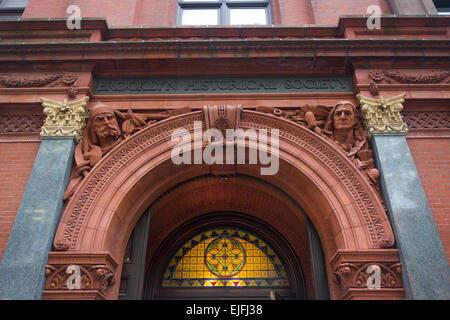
x=248 y=16
x=200 y=17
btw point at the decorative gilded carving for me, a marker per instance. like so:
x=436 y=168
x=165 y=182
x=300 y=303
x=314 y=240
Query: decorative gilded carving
x=383 y=115
x=105 y=129
x=64 y=119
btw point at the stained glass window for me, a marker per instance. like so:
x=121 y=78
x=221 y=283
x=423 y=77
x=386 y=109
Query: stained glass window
x=225 y=257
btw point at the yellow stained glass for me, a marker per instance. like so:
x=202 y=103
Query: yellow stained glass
x=225 y=257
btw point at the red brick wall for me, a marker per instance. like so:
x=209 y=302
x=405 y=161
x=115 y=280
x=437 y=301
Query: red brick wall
x=163 y=12
x=432 y=158
x=16 y=162
x=118 y=13
x=328 y=12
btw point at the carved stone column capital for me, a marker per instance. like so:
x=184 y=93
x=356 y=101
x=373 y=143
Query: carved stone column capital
x=64 y=119
x=383 y=115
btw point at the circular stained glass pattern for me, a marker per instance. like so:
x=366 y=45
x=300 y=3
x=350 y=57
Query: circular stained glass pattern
x=224 y=257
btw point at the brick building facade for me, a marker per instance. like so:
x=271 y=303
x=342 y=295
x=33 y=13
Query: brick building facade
x=137 y=225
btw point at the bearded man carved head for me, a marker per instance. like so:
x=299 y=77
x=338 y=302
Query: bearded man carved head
x=102 y=133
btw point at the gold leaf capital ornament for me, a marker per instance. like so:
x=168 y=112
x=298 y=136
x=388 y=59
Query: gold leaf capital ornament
x=64 y=119
x=382 y=116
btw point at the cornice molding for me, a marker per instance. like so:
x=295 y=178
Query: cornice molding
x=305 y=30
x=89 y=51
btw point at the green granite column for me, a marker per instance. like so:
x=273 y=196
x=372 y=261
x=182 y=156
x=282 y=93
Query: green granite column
x=22 y=270
x=425 y=271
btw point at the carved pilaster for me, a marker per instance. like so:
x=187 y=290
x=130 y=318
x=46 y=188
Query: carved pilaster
x=383 y=115
x=64 y=119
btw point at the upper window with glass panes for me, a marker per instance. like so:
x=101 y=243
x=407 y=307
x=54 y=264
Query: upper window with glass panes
x=12 y=9
x=442 y=6
x=224 y=12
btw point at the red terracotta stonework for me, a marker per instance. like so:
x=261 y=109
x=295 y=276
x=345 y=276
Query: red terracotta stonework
x=348 y=217
x=327 y=176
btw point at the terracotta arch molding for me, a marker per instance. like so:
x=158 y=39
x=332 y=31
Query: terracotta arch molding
x=346 y=211
x=104 y=193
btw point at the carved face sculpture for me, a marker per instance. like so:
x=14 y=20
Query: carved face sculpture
x=344 y=117
x=105 y=125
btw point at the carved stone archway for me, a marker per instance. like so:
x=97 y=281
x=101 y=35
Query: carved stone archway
x=345 y=210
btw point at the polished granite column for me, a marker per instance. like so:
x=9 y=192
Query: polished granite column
x=22 y=270
x=425 y=271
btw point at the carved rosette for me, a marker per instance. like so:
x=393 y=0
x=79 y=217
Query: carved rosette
x=64 y=119
x=382 y=116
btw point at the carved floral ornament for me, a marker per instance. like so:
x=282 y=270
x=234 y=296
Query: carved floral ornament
x=409 y=77
x=56 y=79
x=357 y=275
x=405 y=77
x=355 y=272
x=92 y=277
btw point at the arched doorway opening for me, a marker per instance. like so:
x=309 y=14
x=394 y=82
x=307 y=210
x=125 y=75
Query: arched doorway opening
x=349 y=217
x=225 y=256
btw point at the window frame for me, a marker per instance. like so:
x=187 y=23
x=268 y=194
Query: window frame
x=440 y=8
x=173 y=242
x=7 y=12
x=223 y=7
